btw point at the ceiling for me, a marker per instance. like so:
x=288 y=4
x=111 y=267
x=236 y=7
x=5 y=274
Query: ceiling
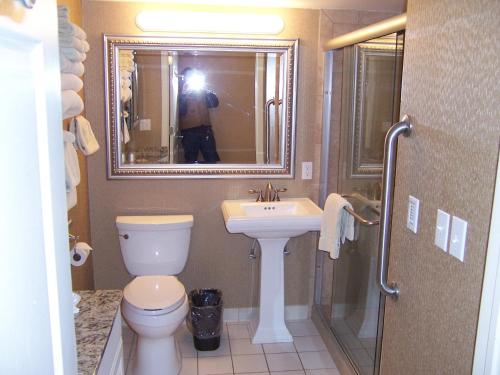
x=374 y=5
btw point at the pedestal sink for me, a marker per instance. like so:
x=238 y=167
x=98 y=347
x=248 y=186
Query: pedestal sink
x=272 y=224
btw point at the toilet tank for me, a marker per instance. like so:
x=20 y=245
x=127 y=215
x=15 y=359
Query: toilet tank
x=154 y=245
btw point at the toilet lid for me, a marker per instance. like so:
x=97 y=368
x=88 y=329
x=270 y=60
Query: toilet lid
x=154 y=293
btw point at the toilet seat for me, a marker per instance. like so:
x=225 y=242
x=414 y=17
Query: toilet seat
x=154 y=295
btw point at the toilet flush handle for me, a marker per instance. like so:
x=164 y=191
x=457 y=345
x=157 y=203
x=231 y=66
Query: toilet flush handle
x=125 y=236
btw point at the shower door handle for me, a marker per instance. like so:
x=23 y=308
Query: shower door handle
x=391 y=141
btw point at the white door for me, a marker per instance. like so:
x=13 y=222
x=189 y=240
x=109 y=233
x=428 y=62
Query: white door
x=36 y=320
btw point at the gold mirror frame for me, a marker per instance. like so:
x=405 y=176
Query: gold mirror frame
x=117 y=170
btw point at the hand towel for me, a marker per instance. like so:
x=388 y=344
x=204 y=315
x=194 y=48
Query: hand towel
x=72 y=104
x=85 y=138
x=71 y=82
x=71 y=67
x=336 y=225
x=72 y=168
x=125 y=133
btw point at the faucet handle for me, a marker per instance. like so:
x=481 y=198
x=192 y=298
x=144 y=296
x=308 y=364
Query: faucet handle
x=276 y=196
x=259 y=196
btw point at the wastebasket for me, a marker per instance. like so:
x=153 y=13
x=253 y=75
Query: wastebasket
x=205 y=318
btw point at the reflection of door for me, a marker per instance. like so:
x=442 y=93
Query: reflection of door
x=175 y=136
x=36 y=318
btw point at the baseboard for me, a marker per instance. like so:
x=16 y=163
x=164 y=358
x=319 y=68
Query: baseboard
x=244 y=314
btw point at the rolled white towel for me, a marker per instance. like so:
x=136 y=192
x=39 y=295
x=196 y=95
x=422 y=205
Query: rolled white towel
x=126 y=53
x=72 y=54
x=68 y=28
x=85 y=138
x=72 y=168
x=125 y=82
x=72 y=104
x=71 y=67
x=125 y=94
x=72 y=42
x=125 y=133
x=71 y=82
x=62 y=11
x=126 y=61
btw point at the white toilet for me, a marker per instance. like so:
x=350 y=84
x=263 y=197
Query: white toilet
x=154 y=248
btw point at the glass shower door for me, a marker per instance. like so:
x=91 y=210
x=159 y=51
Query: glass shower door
x=348 y=297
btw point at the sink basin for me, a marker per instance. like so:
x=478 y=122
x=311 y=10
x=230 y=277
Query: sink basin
x=288 y=218
x=272 y=224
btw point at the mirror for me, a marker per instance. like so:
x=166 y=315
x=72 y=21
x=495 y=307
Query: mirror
x=188 y=107
x=374 y=106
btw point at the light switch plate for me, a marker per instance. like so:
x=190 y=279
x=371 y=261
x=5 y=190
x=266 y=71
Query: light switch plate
x=457 y=238
x=307 y=170
x=145 y=124
x=442 y=230
x=413 y=209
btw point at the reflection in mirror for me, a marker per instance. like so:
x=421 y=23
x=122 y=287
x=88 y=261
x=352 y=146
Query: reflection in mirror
x=214 y=109
x=375 y=101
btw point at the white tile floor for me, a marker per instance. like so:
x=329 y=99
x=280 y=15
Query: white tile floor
x=307 y=355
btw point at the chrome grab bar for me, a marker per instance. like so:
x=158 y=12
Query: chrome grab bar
x=267 y=109
x=357 y=216
x=391 y=140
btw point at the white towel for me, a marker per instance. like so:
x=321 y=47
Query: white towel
x=71 y=67
x=72 y=54
x=125 y=94
x=72 y=104
x=67 y=41
x=124 y=127
x=85 y=138
x=336 y=225
x=71 y=82
x=68 y=28
x=72 y=168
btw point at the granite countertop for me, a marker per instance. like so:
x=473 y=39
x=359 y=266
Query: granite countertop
x=93 y=325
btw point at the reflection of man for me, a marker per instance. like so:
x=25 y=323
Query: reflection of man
x=194 y=117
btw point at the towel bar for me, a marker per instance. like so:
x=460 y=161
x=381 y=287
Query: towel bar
x=361 y=219
x=358 y=217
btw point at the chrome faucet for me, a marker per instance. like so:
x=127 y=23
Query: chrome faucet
x=270 y=194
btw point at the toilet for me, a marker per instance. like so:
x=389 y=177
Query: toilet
x=154 y=250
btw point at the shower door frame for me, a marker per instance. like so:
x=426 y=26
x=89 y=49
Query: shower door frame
x=323 y=192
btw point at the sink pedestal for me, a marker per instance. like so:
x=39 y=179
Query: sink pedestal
x=270 y=326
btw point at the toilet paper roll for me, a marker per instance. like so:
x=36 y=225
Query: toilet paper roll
x=80 y=253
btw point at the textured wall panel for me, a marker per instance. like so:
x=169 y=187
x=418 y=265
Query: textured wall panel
x=450 y=88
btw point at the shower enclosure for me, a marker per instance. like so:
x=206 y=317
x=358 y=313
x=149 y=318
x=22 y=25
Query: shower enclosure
x=365 y=95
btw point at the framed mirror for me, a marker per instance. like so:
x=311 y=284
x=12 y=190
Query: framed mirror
x=200 y=108
x=375 y=101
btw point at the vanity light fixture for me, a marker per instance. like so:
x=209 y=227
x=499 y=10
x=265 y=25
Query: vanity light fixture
x=207 y=22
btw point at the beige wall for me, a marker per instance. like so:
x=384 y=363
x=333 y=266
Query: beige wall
x=82 y=277
x=216 y=259
x=450 y=88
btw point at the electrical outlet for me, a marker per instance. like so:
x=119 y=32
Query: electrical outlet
x=307 y=170
x=412 y=219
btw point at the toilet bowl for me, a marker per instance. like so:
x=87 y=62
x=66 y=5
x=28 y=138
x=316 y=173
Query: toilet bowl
x=154 y=305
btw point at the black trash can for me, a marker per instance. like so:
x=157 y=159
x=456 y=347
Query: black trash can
x=205 y=318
